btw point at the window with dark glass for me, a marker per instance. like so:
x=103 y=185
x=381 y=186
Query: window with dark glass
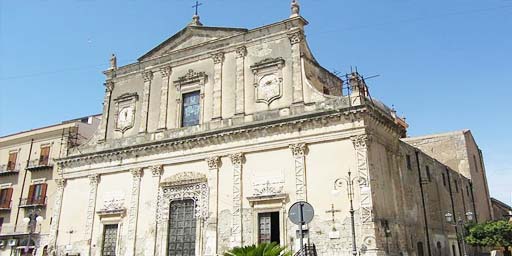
x=268 y=227
x=191 y=108
x=182 y=228
x=109 y=240
x=408 y=160
x=444 y=179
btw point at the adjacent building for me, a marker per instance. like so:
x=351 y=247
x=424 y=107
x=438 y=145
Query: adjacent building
x=501 y=210
x=28 y=184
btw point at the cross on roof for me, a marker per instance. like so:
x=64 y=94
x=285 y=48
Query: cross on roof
x=197 y=6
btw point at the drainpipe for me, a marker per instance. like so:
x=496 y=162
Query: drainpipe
x=453 y=207
x=23 y=184
x=423 y=203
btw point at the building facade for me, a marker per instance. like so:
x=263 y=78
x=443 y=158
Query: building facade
x=208 y=139
x=28 y=184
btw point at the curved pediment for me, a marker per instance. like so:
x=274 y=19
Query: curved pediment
x=184 y=178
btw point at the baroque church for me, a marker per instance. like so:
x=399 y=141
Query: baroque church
x=207 y=140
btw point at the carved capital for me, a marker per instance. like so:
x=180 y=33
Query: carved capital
x=218 y=57
x=166 y=71
x=136 y=172
x=147 y=76
x=237 y=158
x=361 y=141
x=60 y=183
x=94 y=179
x=299 y=150
x=241 y=52
x=296 y=37
x=156 y=170
x=109 y=86
x=213 y=162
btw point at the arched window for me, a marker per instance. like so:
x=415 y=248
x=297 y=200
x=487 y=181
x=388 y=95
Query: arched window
x=420 y=249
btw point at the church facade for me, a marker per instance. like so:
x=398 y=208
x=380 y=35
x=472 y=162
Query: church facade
x=209 y=138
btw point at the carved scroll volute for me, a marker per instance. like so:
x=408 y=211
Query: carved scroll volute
x=213 y=162
x=298 y=150
x=157 y=170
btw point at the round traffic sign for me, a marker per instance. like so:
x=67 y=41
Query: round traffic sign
x=301 y=213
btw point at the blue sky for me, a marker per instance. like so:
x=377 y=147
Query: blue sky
x=444 y=64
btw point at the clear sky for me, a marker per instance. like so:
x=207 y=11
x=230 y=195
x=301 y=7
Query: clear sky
x=444 y=64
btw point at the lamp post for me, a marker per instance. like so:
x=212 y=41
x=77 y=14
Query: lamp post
x=459 y=224
x=349 y=182
x=32 y=220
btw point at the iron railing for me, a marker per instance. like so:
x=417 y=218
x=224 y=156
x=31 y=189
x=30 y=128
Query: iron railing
x=20 y=229
x=33 y=202
x=307 y=250
x=10 y=168
x=41 y=163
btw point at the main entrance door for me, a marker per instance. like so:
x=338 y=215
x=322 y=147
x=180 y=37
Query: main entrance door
x=182 y=228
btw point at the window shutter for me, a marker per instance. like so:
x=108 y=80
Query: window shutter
x=45 y=153
x=44 y=186
x=8 y=198
x=30 y=194
x=11 y=164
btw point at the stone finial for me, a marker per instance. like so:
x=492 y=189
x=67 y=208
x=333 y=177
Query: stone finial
x=295 y=9
x=113 y=62
x=195 y=21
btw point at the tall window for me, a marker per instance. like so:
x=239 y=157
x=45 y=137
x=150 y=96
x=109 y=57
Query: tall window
x=182 y=228
x=109 y=240
x=429 y=176
x=408 y=160
x=11 y=163
x=44 y=156
x=475 y=163
x=456 y=186
x=5 y=198
x=268 y=227
x=37 y=194
x=420 y=249
x=444 y=179
x=191 y=108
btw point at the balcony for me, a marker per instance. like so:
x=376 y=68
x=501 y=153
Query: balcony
x=43 y=163
x=9 y=169
x=21 y=229
x=5 y=206
x=33 y=202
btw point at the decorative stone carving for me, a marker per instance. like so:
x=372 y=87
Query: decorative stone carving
x=213 y=162
x=133 y=210
x=148 y=77
x=164 y=97
x=109 y=86
x=191 y=77
x=268 y=79
x=56 y=213
x=361 y=146
x=296 y=37
x=125 y=106
x=241 y=52
x=157 y=170
x=191 y=81
x=218 y=57
x=166 y=71
x=184 y=178
x=195 y=191
x=112 y=206
x=236 y=228
x=299 y=152
x=93 y=189
x=268 y=189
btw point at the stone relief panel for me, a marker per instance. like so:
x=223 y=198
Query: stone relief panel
x=124 y=114
x=268 y=79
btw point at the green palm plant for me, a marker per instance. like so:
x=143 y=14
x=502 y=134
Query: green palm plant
x=264 y=249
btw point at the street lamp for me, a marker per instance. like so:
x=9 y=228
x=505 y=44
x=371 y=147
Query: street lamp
x=32 y=220
x=459 y=225
x=338 y=183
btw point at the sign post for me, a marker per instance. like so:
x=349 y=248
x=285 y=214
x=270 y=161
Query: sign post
x=301 y=213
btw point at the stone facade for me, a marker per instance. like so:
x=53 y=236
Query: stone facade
x=273 y=127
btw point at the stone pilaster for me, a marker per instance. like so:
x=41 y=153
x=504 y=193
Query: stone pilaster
x=299 y=156
x=241 y=52
x=60 y=182
x=91 y=207
x=212 y=229
x=102 y=130
x=218 y=60
x=295 y=39
x=133 y=212
x=236 y=229
x=156 y=172
x=148 y=77
x=164 y=97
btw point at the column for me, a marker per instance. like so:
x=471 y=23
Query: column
x=295 y=40
x=299 y=157
x=133 y=212
x=91 y=208
x=211 y=235
x=156 y=172
x=60 y=182
x=241 y=52
x=148 y=77
x=218 y=60
x=102 y=131
x=236 y=229
x=164 y=97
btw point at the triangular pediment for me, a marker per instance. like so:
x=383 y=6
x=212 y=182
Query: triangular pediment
x=191 y=36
